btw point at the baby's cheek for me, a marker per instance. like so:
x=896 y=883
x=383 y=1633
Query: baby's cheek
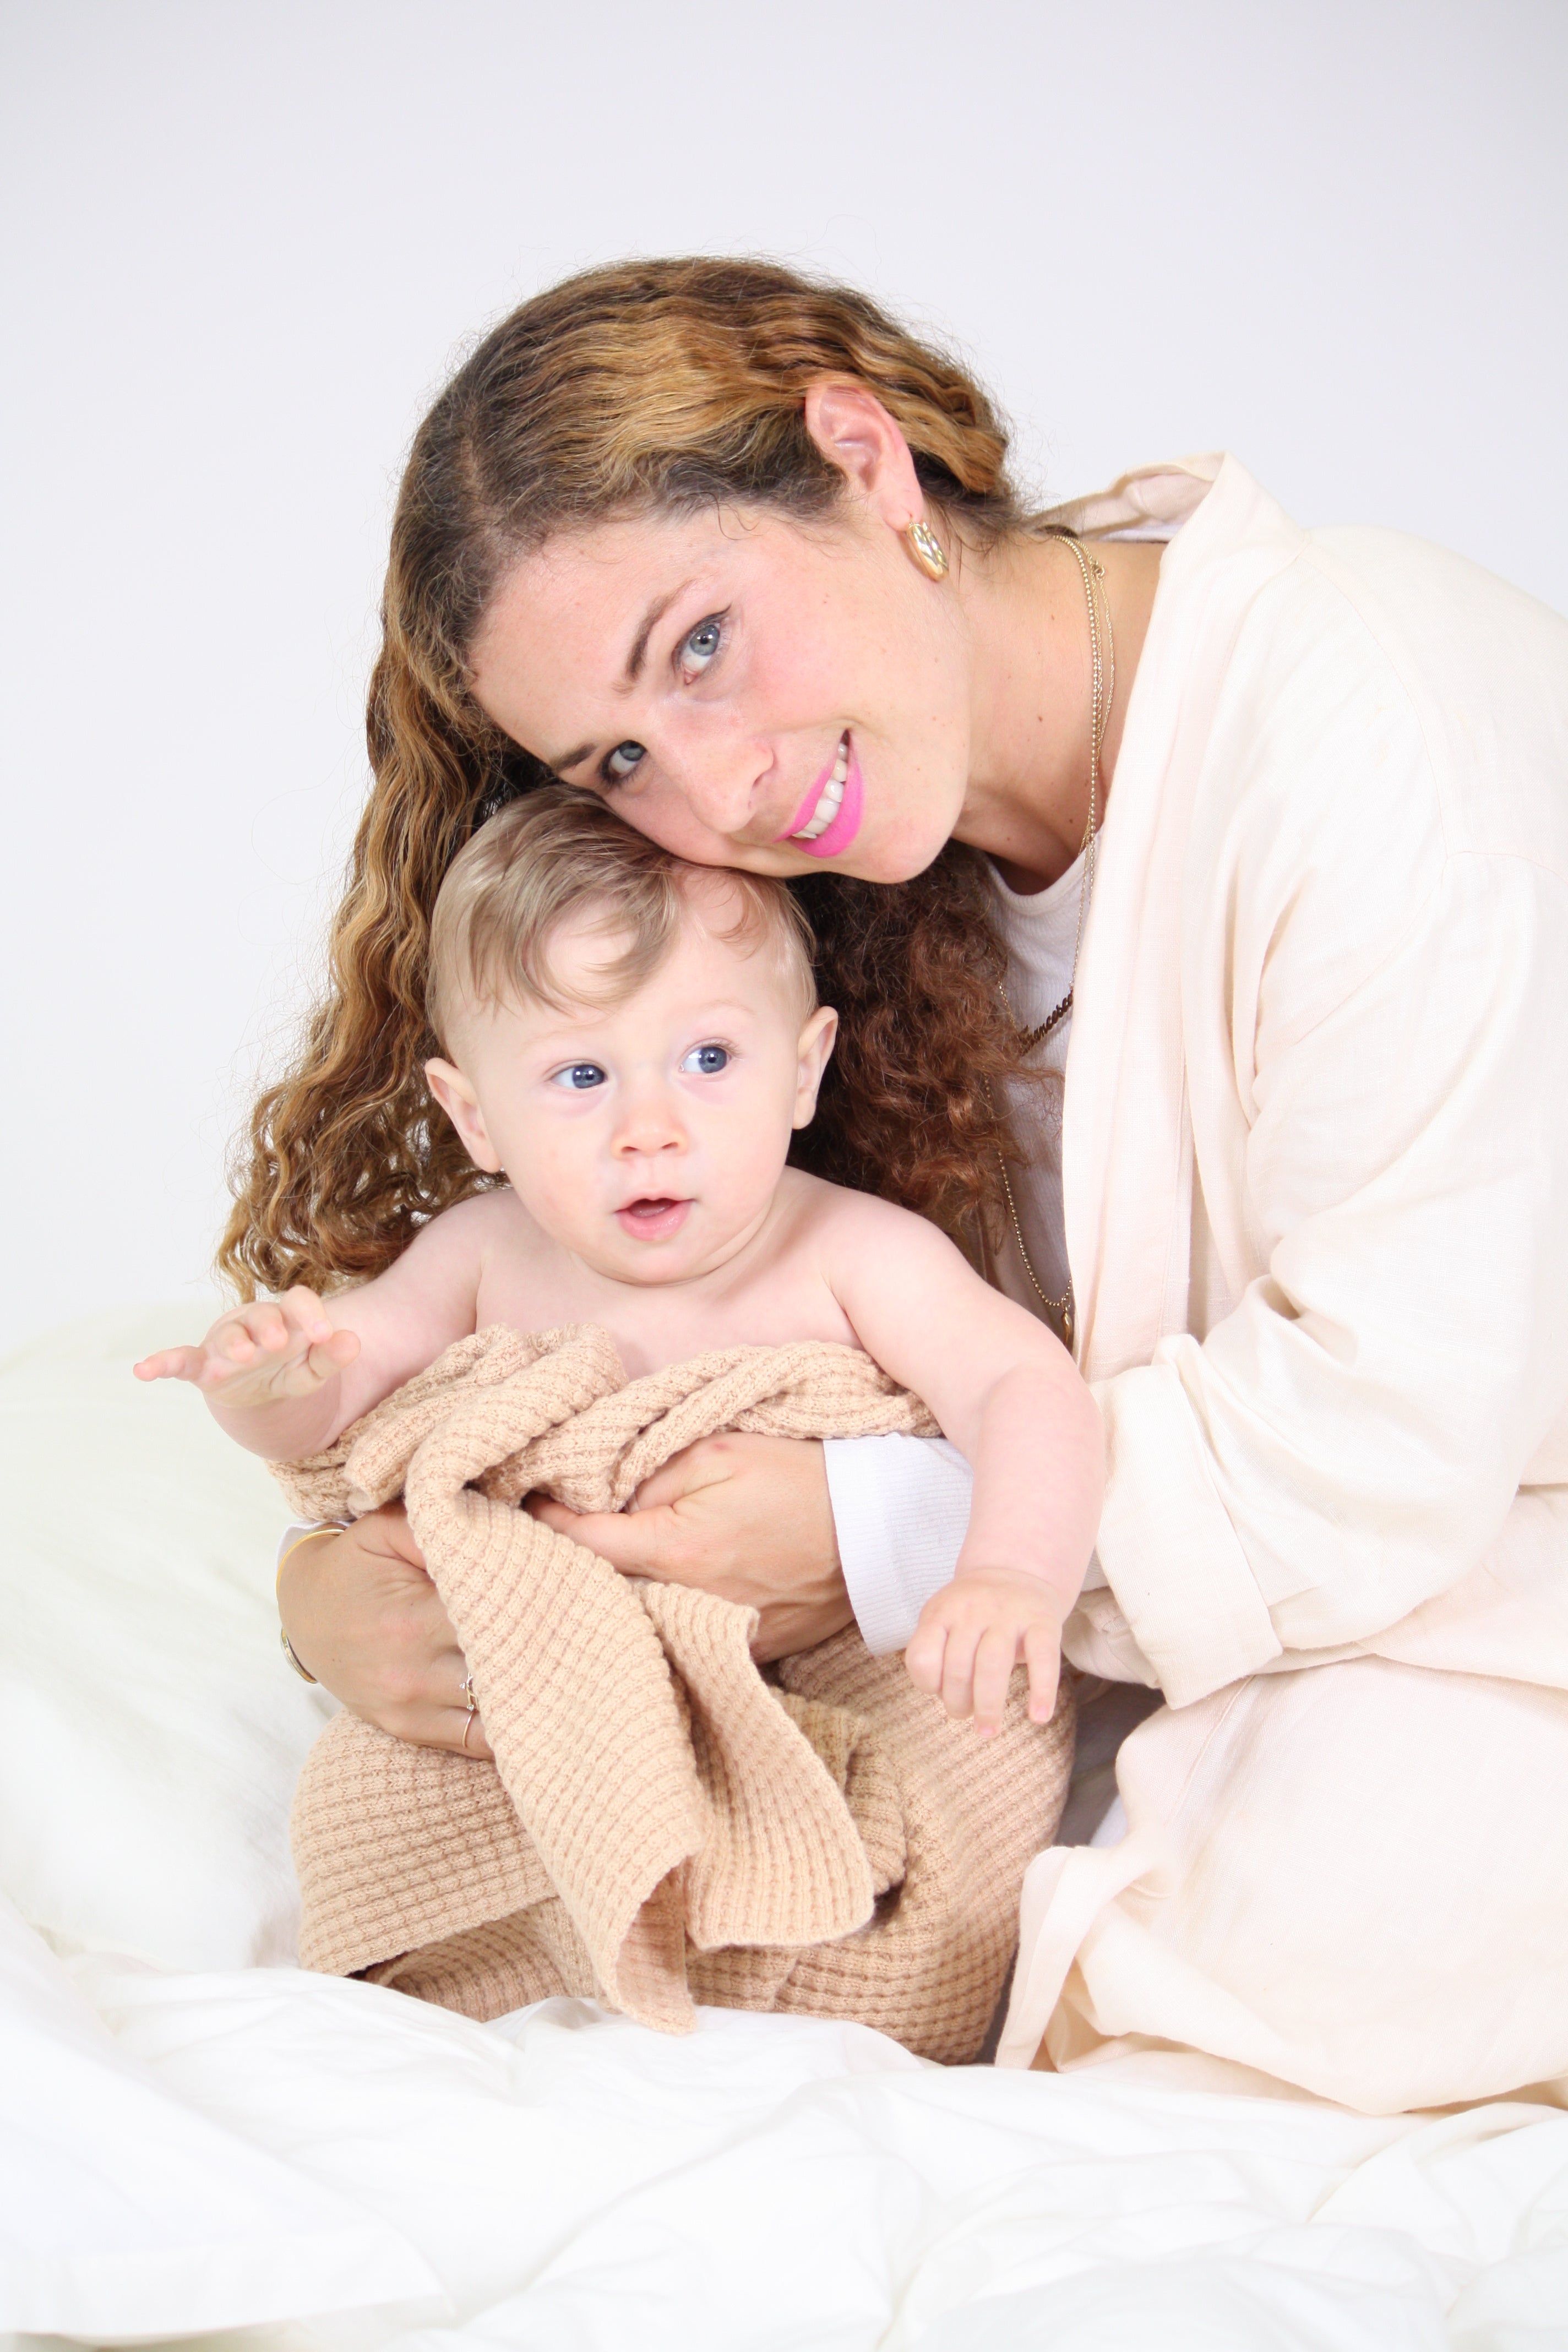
x=557 y=1193
x=757 y=1149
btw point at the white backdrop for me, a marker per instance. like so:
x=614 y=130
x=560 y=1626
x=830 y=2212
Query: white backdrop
x=247 y=242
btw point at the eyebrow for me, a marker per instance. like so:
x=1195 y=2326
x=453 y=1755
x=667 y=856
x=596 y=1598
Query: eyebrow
x=633 y=670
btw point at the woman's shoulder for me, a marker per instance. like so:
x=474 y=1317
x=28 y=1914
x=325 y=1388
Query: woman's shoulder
x=1377 y=676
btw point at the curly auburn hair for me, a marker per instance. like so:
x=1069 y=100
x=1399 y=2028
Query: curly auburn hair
x=653 y=385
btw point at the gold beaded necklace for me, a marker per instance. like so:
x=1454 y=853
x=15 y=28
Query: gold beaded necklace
x=1101 y=689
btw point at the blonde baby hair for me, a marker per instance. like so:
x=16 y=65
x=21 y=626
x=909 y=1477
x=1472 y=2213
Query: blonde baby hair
x=559 y=854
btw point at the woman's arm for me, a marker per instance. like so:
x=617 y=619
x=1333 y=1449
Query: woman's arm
x=1346 y=1444
x=746 y=1517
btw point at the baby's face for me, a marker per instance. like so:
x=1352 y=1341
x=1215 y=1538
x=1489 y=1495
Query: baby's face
x=647 y=1138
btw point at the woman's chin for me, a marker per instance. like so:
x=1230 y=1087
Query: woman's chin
x=895 y=856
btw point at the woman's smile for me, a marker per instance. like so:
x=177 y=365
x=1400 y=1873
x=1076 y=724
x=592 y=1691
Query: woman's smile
x=828 y=819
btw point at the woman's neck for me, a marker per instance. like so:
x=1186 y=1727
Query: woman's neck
x=1027 y=802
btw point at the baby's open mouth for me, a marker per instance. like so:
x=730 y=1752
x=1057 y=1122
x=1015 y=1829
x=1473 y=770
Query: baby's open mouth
x=654 y=1217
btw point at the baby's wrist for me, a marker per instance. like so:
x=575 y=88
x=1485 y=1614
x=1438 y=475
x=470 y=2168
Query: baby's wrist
x=1037 y=1577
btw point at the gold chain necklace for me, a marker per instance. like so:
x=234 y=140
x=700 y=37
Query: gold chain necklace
x=1101 y=689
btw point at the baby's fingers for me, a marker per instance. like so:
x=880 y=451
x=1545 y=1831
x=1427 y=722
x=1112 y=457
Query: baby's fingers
x=995 y=1655
x=333 y=1355
x=171 y=1364
x=958 y=1668
x=1042 y=1655
x=923 y=1657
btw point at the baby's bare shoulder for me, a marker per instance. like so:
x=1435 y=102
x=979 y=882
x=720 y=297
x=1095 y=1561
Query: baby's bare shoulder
x=489 y=1228
x=843 y=1219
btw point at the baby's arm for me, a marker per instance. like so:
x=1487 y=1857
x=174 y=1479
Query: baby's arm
x=283 y=1376
x=1009 y=1396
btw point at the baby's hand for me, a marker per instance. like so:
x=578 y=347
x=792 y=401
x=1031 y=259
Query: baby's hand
x=972 y=1633
x=266 y=1353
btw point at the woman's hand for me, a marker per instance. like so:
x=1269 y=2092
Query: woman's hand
x=361 y=1615
x=747 y=1518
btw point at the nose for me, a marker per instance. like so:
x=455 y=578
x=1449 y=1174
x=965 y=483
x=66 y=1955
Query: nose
x=649 y=1126
x=721 y=774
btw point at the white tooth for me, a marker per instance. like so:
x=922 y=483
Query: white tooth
x=828 y=806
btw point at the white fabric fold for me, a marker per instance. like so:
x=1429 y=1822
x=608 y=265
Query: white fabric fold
x=901 y=1505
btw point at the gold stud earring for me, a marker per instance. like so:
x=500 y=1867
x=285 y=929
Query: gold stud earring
x=926 y=549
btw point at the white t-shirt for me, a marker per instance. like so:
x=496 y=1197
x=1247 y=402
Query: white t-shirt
x=1040 y=932
x=901 y=1505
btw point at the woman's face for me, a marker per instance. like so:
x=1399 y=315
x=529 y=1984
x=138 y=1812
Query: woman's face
x=746 y=690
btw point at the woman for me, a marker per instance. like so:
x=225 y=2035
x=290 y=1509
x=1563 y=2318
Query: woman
x=742 y=555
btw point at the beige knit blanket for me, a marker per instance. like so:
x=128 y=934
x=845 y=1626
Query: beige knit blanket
x=664 y=1823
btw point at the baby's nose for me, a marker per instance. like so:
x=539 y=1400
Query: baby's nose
x=649 y=1122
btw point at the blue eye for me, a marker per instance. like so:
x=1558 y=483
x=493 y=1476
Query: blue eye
x=578 y=1076
x=707 y=1061
x=703 y=643
x=618 y=764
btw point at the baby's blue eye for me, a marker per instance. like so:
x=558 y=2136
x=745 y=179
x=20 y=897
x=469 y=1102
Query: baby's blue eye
x=579 y=1077
x=707 y=1060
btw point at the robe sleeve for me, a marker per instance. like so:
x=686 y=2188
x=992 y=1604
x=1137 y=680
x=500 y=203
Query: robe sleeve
x=1346 y=1444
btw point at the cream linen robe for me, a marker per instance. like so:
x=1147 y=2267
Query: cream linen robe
x=1320 y=1031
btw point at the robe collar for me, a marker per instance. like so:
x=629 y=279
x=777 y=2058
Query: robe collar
x=1127 y=1157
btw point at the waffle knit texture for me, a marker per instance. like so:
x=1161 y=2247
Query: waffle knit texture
x=664 y=1823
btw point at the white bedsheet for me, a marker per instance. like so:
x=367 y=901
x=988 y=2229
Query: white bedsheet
x=576 y=2184
x=191 y=2144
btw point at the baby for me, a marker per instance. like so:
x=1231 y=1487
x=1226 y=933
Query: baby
x=630 y=1041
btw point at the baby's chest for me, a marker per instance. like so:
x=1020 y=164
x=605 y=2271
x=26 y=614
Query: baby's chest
x=662 y=1324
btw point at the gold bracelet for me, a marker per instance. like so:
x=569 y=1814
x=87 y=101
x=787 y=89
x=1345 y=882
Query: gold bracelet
x=335 y=1529
x=303 y=1672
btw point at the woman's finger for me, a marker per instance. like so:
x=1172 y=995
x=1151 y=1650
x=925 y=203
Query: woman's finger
x=471 y=1740
x=464 y=1736
x=639 y=1543
x=711 y=1462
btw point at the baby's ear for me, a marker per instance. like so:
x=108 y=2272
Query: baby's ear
x=461 y=1105
x=815 y=1051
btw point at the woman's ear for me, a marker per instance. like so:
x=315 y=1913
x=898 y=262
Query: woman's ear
x=461 y=1105
x=814 y=1050
x=855 y=433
